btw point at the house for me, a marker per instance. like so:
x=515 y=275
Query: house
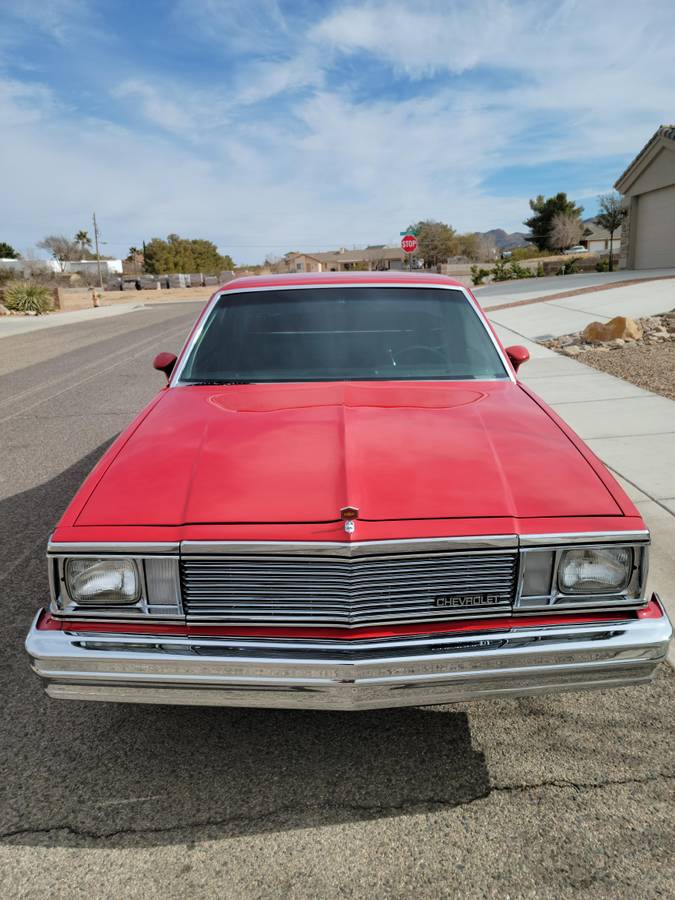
x=299 y=262
x=648 y=186
x=90 y=266
x=26 y=267
x=373 y=258
x=596 y=238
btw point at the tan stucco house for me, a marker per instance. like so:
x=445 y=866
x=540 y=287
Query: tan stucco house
x=343 y=260
x=648 y=186
x=596 y=238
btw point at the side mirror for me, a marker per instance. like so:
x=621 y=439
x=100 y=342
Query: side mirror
x=164 y=362
x=517 y=355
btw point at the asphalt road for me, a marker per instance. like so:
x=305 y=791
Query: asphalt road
x=567 y=796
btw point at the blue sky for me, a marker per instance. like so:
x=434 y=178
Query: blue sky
x=268 y=125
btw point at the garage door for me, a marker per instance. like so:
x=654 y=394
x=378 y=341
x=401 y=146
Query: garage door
x=655 y=240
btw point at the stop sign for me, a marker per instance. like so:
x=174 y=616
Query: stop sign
x=409 y=243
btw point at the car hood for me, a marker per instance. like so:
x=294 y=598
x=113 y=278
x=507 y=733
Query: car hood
x=283 y=453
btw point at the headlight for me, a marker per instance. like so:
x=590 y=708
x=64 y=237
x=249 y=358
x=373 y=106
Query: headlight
x=595 y=570
x=93 y=581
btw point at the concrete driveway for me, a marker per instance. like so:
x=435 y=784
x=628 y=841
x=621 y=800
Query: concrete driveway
x=504 y=292
x=566 y=796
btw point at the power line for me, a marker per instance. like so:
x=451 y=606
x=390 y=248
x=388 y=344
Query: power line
x=98 y=255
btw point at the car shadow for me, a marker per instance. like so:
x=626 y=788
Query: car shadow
x=72 y=772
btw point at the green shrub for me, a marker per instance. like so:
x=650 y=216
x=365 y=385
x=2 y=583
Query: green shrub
x=25 y=297
x=602 y=265
x=518 y=271
x=501 y=271
x=478 y=275
x=569 y=267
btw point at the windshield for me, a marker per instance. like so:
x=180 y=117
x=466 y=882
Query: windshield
x=343 y=334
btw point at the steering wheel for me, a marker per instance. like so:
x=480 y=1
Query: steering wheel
x=423 y=347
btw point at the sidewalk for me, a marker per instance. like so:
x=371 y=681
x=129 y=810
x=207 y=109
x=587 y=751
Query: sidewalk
x=551 y=318
x=630 y=429
x=12 y=325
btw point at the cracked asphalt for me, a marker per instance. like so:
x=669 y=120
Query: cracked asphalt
x=565 y=796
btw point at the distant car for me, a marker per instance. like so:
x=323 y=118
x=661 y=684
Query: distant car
x=344 y=498
x=506 y=254
x=578 y=248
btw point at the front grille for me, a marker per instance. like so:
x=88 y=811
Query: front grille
x=347 y=592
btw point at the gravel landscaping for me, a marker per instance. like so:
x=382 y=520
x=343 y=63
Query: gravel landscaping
x=648 y=366
x=641 y=351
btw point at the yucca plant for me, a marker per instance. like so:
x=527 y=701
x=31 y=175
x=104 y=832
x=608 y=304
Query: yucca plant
x=24 y=297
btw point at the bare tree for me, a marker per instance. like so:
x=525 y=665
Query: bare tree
x=486 y=248
x=566 y=230
x=611 y=216
x=61 y=248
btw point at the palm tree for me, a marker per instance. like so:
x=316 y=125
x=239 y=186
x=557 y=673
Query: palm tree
x=611 y=216
x=133 y=253
x=83 y=240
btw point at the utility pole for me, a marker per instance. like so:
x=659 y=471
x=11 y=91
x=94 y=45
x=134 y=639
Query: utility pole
x=98 y=255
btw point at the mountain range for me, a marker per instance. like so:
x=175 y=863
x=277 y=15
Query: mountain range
x=505 y=241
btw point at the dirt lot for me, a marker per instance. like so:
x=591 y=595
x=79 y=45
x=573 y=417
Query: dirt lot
x=650 y=367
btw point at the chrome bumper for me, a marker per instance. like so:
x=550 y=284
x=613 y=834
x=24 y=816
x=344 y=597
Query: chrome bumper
x=433 y=669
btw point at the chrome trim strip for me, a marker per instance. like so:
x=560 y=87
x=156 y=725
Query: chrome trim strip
x=339 y=548
x=55 y=548
x=117 y=615
x=581 y=537
x=373 y=698
x=187 y=349
x=232 y=673
x=354 y=549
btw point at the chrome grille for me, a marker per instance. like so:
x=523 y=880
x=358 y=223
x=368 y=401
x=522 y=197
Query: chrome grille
x=274 y=589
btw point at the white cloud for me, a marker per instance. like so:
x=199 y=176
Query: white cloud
x=423 y=37
x=597 y=71
x=261 y=189
x=254 y=26
x=173 y=108
x=285 y=151
x=61 y=20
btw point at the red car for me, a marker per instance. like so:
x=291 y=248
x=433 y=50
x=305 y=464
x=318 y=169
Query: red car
x=344 y=498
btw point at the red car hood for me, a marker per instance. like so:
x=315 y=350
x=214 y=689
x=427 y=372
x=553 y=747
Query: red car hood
x=300 y=452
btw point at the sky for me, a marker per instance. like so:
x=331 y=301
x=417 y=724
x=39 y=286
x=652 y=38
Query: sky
x=276 y=125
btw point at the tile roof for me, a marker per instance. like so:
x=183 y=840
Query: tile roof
x=664 y=131
x=595 y=232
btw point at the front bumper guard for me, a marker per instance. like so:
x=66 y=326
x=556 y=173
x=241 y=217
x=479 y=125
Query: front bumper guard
x=303 y=674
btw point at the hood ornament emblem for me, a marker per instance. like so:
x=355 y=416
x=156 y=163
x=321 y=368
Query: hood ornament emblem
x=349 y=514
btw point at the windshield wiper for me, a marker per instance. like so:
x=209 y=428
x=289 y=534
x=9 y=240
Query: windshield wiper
x=217 y=381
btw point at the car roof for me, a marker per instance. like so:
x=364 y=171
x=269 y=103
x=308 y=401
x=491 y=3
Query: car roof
x=322 y=278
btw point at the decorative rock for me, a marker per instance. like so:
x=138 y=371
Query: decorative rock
x=618 y=327
x=572 y=350
x=616 y=343
x=4 y=311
